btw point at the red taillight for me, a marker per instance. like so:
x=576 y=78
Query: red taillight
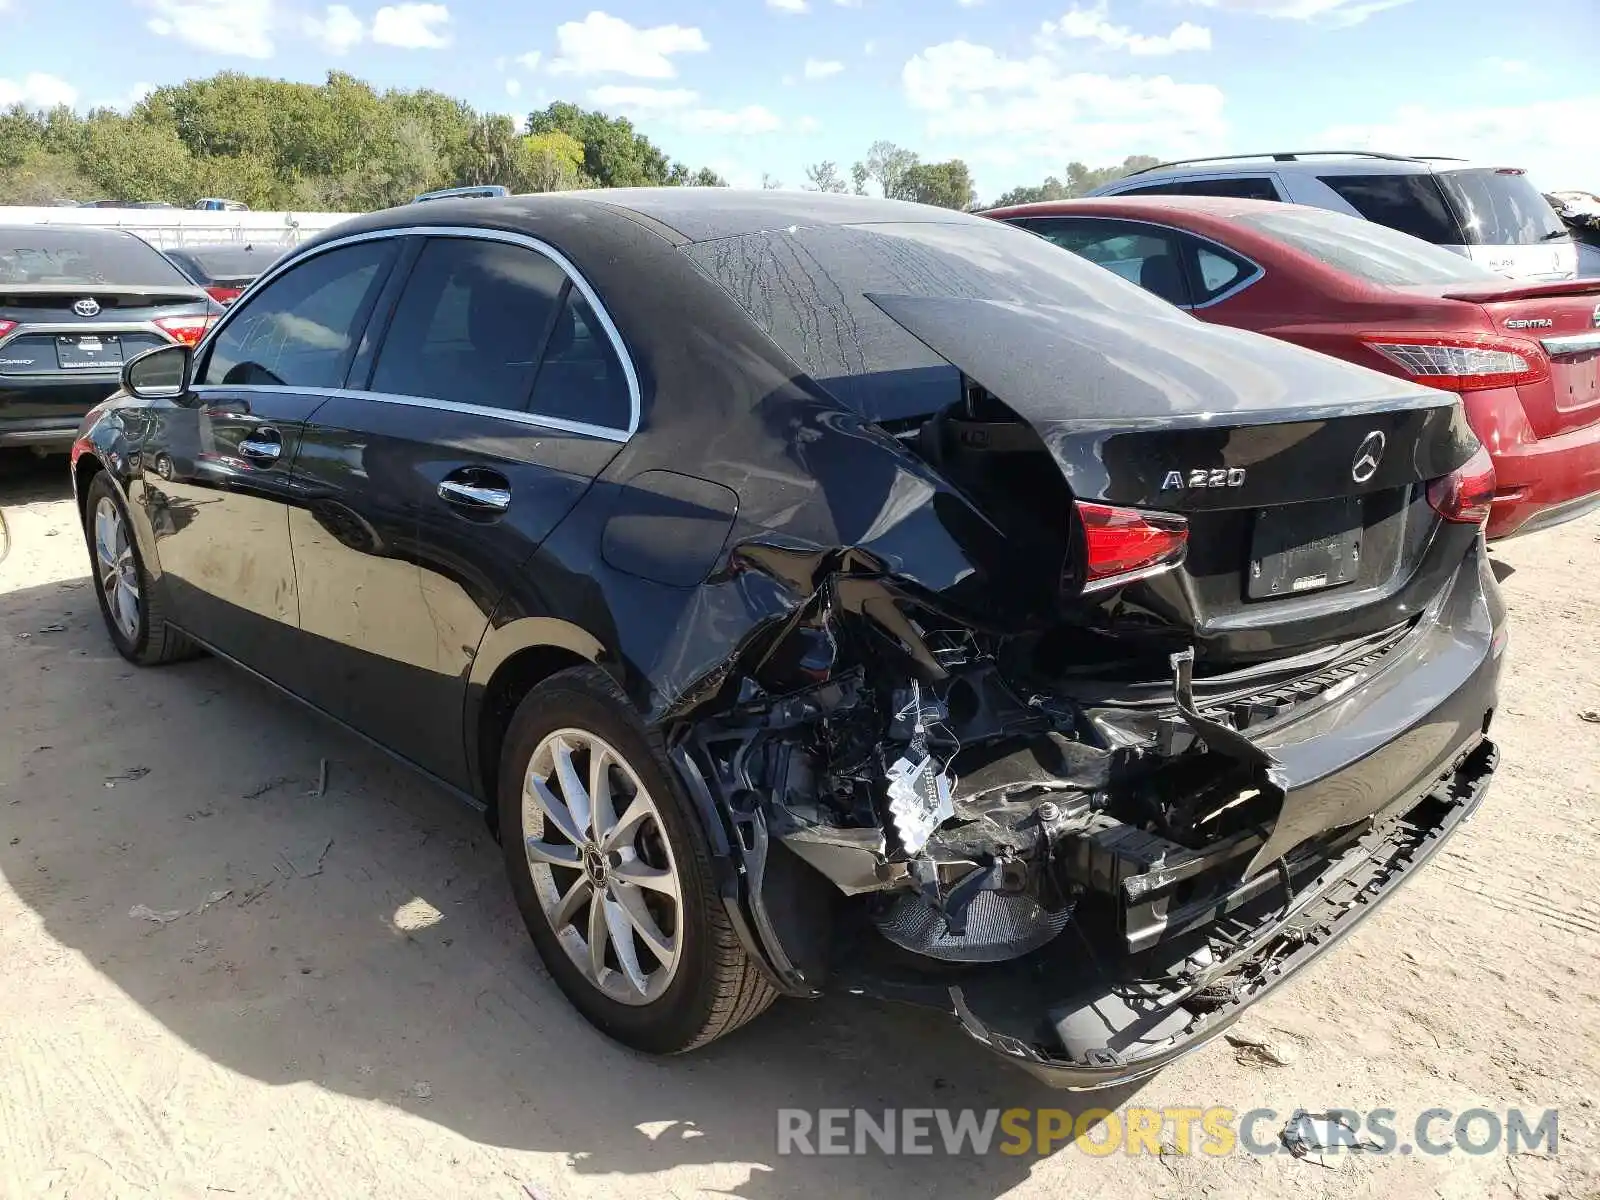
x=6 y=327
x=1124 y=544
x=1463 y=362
x=188 y=330
x=1466 y=493
x=223 y=295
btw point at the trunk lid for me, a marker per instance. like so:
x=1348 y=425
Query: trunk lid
x=1564 y=319
x=1288 y=465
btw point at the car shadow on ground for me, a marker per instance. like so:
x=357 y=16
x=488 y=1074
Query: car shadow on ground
x=26 y=477
x=364 y=939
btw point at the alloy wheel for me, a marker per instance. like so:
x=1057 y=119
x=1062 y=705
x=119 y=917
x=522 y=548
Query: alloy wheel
x=602 y=866
x=118 y=572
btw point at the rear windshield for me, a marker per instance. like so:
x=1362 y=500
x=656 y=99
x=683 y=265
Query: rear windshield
x=1366 y=249
x=227 y=262
x=1501 y=208
x=807 y=289
x=42 y=257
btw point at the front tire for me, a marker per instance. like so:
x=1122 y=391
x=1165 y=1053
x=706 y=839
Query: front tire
x=134 y=613
x=612 y=873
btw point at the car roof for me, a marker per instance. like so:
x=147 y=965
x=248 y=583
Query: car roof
x=88 y=233
x=1153 y=207
x=683 y=214
x=1260 y=164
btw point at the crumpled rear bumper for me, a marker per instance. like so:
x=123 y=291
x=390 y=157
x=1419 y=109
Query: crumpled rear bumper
x=1274 y=939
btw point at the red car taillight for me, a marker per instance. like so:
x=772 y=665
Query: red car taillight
x=224 y=295
x=1466 y=493
x=188 y=330
x=1463 y=362
x=6 y=327
x=1124 y=544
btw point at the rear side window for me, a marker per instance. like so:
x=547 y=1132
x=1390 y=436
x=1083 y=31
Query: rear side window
x=41 y=256
x=1217 y=271
x=1366 y=249
x=1413 y=204
x=299 y=330
x=1501 y=208
x=1147 y=255
x=1241 y=187
x=470 y=324
x=581 y=378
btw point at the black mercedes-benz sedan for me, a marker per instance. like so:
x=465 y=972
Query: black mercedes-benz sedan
x=75 y=304
x=823 y=593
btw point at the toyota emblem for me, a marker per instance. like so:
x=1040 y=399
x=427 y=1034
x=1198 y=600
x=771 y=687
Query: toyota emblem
x=1368 y=456
x=87 y=307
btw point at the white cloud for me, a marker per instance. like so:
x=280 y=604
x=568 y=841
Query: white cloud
x=969 y=3
x=530 y=60
x=642 y=99
x=869 y=49
x=817 y=68
x=1330 y=12
x=1556 y=141
x=752 y=118
x=336 y=31
x=412 y=26
x=242 y=27
x=1033 y=115
x=602 y=44
x=1507 y=66
x=678 y=109
x=848 y=3
x=807 y=125
x=1093 y=25
x=37 y=90
x=513 y=88
x=788 y=6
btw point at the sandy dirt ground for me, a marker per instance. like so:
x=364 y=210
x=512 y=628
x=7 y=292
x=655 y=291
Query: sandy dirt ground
x=214 y=981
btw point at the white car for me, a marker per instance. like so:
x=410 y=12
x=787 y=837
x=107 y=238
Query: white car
x=1493 y=215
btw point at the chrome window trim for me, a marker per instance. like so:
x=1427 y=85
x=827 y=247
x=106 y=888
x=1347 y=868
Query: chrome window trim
x=527 y=242
x=1232 y=290
x=515 y=415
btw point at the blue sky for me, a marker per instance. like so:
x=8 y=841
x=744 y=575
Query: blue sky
x=1016 y=87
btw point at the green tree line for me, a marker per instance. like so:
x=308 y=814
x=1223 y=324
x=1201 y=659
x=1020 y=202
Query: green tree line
x=339 y=145
x=344 y=146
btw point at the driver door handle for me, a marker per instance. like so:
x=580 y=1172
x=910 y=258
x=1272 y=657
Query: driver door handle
x=262 y=447
x=480 y=496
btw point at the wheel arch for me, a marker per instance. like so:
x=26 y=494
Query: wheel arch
x=512 y=660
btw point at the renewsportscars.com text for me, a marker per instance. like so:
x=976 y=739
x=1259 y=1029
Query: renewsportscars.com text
x=1214 y=1131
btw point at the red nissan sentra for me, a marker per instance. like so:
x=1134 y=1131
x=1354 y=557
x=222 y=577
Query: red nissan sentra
x=1525 y=357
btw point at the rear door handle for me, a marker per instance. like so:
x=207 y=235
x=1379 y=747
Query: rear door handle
x=484 y=492
x=263 y=446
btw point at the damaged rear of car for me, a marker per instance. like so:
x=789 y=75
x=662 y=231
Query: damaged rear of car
x=1165 y=654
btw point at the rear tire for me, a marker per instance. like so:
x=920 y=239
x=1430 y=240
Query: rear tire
x=134 y=612
x=671 y=974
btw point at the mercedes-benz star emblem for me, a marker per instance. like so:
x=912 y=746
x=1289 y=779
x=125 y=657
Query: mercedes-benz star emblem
x=1368 y=456
x=87 y=307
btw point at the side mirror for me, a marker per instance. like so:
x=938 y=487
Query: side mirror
x=159 y=374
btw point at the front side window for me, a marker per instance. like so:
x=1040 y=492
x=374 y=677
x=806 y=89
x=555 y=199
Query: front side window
x=1413 y=204
x=299 y=330
x=471 y=324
